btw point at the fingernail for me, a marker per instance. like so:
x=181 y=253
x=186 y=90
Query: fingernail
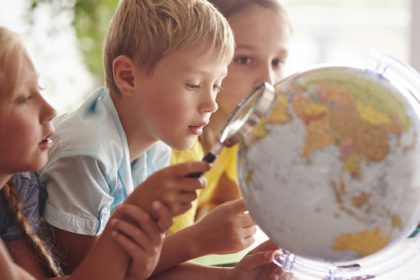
x=156 y=204
x=203 y=181
x=267 y=255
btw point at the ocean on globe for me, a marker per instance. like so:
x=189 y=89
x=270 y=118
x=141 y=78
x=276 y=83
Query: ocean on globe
x=332 y=172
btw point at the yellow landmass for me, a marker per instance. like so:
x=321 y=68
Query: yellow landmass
x=248 y=178
x=279 y=113
x=259 y=130
x=371 y=115
x=352 y=165
x=315 y=109
x=396 y=221
x=381 y=98
x=362 y=243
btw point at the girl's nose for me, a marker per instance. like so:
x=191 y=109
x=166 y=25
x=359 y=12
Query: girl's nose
x=48 y=112
x=269 y=75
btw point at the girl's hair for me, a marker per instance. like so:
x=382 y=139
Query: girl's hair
x=10 y=45
x=148 y=30
x=41 y=247
x=12 y=53
x=228 y=8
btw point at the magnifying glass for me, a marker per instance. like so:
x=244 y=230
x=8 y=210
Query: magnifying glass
x=242 y=121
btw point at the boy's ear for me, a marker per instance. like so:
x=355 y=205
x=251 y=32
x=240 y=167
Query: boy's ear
x=123 y=71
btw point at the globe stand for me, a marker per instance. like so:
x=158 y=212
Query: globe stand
x=378 y=265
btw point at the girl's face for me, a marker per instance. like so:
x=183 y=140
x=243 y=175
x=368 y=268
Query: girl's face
x=25 y=128
x=261 y=36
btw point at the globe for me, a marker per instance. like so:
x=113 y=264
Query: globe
x=331 y=172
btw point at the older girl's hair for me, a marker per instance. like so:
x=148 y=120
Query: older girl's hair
x=147 y=30
x=10 y=45
x=41 y=247
x=12 y=52
x=230 y=7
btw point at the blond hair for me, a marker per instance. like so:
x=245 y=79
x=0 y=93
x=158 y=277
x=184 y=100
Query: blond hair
x=12 y=52
x=41 y=247
x=10 y=44
x=230 y=7
x=148 y=30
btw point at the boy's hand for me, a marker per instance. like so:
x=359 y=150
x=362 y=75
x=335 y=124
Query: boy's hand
x=227 y=229
x=141 y=237
x=172 y=187
x=258 y=265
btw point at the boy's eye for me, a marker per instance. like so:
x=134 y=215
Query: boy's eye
x=243 y=60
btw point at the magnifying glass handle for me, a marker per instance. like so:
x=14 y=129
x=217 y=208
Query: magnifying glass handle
x=210 y=157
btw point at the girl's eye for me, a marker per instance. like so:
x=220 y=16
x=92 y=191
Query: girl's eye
x=23 y=99
x=243 y=60
x=217 y=88
x=193 y=86
x=278 y=62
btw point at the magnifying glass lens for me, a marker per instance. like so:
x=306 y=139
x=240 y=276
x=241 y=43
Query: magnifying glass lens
x=244 y=117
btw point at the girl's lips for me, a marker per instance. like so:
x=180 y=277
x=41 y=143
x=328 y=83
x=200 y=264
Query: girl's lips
x=46 y=143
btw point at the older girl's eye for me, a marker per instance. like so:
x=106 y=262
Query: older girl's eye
x=243 y=60
x=217 y=88
x=24 y=99
x=278 y=62
x=193 y=86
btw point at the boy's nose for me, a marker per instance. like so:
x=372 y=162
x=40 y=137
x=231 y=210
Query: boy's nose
x=209 y=104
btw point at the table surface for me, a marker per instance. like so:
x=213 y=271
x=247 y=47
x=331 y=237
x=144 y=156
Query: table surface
x=408 y=271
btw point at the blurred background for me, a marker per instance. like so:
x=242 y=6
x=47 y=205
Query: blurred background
x=65 y=37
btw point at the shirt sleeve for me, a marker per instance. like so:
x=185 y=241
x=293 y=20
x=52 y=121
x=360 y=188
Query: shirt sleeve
x=27 y=189
x=79 y=198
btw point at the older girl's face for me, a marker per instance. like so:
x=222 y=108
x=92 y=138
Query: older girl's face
x=261 y=36
x=25 y=128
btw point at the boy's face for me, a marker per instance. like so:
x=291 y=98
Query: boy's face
x=25 y=127
x=261 y=36
x=176 y=100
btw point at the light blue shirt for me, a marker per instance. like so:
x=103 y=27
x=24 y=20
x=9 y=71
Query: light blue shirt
x=89 y=171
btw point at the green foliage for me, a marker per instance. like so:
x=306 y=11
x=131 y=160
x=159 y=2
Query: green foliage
x=91 y=19
x=90 y=22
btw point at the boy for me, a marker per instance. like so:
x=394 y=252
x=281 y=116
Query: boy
x=164 y=63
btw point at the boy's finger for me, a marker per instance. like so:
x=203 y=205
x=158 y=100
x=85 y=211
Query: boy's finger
x=143 y=221
x=129 y=246
x=267 y=245
x=246 y=221
x=249 y=232
x=184 y=169
x=236 y=206
x=181 y=208
x=255 y=260
x=163 y=214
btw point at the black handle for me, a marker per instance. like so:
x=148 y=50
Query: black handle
x=209 y=158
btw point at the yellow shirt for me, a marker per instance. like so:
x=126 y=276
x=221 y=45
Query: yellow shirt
x=195 y=153
x=225 y=164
